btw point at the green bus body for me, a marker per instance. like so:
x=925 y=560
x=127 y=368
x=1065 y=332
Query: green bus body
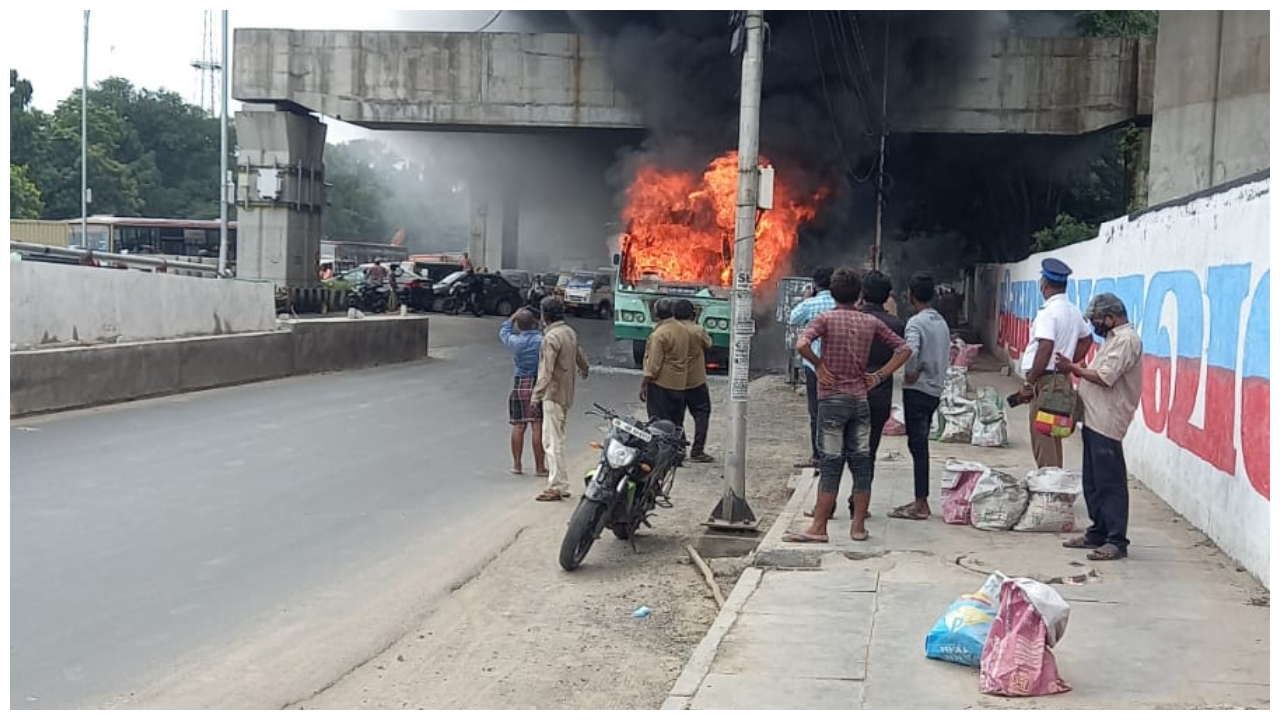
x=633 y=315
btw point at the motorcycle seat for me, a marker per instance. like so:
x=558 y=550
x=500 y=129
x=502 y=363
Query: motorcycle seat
x=664 y=427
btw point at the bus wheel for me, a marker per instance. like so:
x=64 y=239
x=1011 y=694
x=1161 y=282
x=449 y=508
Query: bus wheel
x=637 y=352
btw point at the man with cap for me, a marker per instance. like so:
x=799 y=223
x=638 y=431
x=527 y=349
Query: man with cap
x=1111 y=388
x=1059 y=328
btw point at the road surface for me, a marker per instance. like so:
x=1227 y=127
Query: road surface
x=164 y=550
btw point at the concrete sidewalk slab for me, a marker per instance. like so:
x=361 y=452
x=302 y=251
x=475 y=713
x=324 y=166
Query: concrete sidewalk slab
x=1176 y=625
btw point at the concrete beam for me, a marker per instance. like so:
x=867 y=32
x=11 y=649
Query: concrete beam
x=387 y=80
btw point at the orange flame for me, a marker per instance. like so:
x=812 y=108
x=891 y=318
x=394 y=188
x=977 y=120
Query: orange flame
x=680 y=226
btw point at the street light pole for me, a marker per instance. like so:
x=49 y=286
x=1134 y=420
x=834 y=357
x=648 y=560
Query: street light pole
x=733 y=512
x=884 y=133
x=84 y=139
x=224 y=181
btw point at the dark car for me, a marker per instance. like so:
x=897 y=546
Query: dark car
x=500 y=297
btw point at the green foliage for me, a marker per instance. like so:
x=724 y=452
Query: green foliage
x=1118 y=23
x=149 y=153
x=1065 y=231
x=24 y=196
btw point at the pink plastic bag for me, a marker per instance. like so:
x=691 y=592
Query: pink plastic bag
x=1016 y=660
x=957 y=487
x=895 y=425
x=962 y=353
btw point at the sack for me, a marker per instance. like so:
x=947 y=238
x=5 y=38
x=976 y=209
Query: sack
x=897 y=422
x=958 y=480
x=998 y=501
x=1016 y=661
x=990 y=428
x=956 y=383
x=961 y=633
x=957 y=419
x=1057 y=408
x=935 y=425
x=962 y=353
x=1053 y=500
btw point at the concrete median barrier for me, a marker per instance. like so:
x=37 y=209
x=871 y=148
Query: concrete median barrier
x=76 y=377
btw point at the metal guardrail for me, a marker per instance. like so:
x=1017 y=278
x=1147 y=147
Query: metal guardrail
x=154 y=263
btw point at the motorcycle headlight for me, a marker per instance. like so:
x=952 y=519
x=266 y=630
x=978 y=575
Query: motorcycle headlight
x=619 y=455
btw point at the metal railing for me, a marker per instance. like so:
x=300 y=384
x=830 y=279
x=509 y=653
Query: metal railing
x=159 y=264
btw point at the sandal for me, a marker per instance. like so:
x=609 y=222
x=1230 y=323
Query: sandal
x=907 y=512
x=803 y=537
x=542 y=473
x=1107 y=552
x=517 y=471
x=1081 y=542
x=549 y=496
x=859 y=537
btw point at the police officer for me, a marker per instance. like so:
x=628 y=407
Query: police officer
x=1059 y=328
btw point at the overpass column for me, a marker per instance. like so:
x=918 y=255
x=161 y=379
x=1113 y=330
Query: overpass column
x=279 y=195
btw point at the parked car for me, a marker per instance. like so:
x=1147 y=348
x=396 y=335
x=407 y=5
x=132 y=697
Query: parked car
x=436 y=271
x=412 y=289
x=522 y=279
x=500 y=297
x=588 y=293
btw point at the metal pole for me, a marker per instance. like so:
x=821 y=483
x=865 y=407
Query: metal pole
x=223 y=180
x=733 y=512
x=84 y=139
x=884 y=132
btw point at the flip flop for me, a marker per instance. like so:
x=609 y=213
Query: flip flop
x=548 y=496
x=1107 y=552
x=803 y=537
x=859 y=537
x=907 y=512
x=1080 y=542
x=515 y=471
x=542 y=473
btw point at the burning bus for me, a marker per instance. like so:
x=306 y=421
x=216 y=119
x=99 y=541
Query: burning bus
x=678 y=242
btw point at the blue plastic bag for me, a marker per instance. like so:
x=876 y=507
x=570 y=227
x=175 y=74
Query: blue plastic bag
x=959 y=635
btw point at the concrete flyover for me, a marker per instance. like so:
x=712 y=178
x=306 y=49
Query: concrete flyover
x=407 y=80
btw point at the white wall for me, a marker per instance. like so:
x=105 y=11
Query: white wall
x=1195 y=277
x=57 y=304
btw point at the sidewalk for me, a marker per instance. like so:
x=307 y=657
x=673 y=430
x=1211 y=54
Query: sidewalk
x=842 y=626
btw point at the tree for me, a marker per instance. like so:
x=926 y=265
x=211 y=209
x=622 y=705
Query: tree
x=1118 y=23
x=1066 y=230
x=24 y=196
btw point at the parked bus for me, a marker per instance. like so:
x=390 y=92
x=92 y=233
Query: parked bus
x=347 y=254
x=53 y=233
x=153 y=236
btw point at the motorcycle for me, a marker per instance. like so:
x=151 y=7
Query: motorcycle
x=369 y=298
x=462 y=299
x=637 y=468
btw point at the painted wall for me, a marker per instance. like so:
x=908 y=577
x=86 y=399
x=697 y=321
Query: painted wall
x=52 y=304
x=1196 y=279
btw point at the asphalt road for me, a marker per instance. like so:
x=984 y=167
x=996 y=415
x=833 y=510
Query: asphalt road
x=177 y=535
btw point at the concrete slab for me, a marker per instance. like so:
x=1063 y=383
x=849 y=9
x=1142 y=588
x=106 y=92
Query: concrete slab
x=759 y=691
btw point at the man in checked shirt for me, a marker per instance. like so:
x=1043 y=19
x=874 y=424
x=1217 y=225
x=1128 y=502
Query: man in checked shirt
x=844 y=416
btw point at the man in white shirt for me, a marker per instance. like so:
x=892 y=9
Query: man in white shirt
x=1059 y=328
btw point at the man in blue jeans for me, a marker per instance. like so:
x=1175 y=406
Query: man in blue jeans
x=844 y=416
x=930 y=341
x=801 y=316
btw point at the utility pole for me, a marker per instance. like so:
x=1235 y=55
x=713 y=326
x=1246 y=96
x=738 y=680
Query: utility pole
x=224 y=184
x=84 y=140
x=733 y=512
x=884 y=133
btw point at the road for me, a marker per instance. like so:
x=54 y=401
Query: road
x=163 y=551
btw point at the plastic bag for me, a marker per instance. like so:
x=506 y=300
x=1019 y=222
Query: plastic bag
x=956 y=383
x=957 y=419
x=960 y=635
x=1016 y=660
x=962 y=353
x=897 y=422
x=958 y=480
x=990 y=428
x=1051 y=507
x=935 y=425
x=998 y=501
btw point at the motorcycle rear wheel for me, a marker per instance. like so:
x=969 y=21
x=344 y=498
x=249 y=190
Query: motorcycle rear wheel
x=581 y=534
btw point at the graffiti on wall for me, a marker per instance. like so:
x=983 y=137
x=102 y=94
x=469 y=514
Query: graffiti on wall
x=1192 y=326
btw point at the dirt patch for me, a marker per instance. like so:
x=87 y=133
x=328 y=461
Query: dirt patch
x=525 y=634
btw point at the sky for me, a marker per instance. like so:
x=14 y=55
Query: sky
x=153 y=46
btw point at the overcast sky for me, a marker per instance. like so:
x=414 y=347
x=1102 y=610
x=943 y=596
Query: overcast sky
x=153 y=46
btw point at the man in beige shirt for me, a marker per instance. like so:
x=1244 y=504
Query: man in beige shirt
x=1110 y=388
x=666 y=366
x=554 y=389
x=697 y=397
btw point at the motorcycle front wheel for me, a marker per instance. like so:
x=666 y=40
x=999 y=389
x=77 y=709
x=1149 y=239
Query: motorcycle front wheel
x=581 y=534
